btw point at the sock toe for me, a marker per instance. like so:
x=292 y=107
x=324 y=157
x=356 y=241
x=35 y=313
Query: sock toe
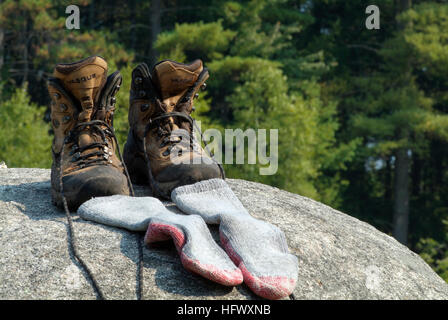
x=231 y=277
x=196 y=248
x=269 y=287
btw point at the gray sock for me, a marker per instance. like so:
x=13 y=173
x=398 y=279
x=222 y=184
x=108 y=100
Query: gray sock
x=257 y=247
x=121 y=211
x=198 y=251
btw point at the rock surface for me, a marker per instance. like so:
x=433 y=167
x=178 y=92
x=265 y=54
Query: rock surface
x=339 y=256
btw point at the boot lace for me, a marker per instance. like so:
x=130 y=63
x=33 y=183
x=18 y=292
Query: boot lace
x=83 y=161
x=162 y=120
x=99 y=157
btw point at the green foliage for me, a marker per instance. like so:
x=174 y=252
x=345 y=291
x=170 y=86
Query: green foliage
x=24 y=138
x=426 y=34
x=37 y=31
x=121 y=124
x=248 y=89
x=435 y=253
x=41 y=25
x=207 y=41
x=391 y=91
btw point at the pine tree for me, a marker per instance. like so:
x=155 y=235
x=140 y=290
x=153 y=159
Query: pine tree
x=24 y=136
x=253 y=85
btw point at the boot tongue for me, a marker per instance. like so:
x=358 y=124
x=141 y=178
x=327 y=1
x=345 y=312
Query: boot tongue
x=86 y=139
x=172 y=79
x=84 y=80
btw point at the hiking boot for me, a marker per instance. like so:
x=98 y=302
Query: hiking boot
x=82 y=108
x=161 y=148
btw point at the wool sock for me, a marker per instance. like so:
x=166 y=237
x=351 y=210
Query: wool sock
x=198 y=251
x=258 y=248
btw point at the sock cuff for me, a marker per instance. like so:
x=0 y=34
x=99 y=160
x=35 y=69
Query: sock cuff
x=211 y=199
x=200 y=187
x=122 y=211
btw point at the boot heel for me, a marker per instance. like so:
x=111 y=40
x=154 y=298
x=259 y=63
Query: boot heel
x=135 y=161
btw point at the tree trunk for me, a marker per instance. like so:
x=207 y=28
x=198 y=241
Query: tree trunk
x=402 y=6
x=401 y=201
x=25 y=55
x=388 y=181
x=402 y=168
x=156 y=28
x=405 y=5
x=2 y=53
x=2 y=48
x=92 y=14
x=416 y=172
x=133 y=29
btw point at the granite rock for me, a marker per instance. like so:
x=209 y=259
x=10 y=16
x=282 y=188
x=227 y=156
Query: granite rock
x=340 y=257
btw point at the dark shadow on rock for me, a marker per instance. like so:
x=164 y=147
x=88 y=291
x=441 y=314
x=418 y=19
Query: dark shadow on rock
x=32 y=199
x=170 y=275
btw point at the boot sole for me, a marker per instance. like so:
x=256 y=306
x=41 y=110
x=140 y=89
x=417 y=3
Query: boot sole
x=56 y=199
x=135 y=163
x=138 y=170
x=103 y=182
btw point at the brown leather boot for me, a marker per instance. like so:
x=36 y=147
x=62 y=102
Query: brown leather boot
x=161 y=148
x=84 y=144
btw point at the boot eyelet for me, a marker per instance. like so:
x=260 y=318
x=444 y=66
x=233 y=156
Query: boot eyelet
x=56 y=123
x=144 y=107
x=56 y=95
x=142 y=93
x=138 y=80
x=63 y=107
x=196 y=95
x=76 y=156
x=113 y=100
x=204 y=85
x=66 y=119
